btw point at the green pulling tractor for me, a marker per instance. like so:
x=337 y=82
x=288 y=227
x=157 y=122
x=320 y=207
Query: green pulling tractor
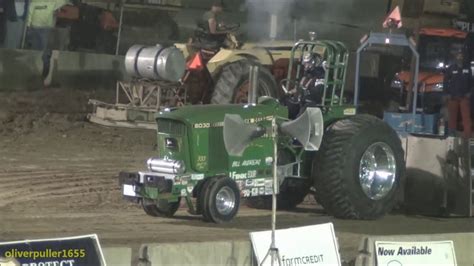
x=211 y=156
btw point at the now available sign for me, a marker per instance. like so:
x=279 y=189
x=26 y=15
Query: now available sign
x=308 y=245
x=415 y=253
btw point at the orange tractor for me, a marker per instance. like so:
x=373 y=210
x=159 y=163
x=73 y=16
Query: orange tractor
x=435 y=47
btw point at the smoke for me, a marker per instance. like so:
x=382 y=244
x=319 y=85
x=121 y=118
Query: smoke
x=344 y=20
x=260 y=12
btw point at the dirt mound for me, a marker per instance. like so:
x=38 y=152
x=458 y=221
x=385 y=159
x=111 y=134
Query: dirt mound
x=57 y=110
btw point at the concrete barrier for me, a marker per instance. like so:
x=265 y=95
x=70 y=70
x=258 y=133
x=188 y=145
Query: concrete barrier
x=118 y=256
x=22 y=70
x=86 y=70
x=229 y=253
x=463 y=246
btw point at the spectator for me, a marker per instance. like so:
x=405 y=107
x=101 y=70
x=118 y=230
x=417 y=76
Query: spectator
x=458 y=83
x=15 y=11
x=41 y=22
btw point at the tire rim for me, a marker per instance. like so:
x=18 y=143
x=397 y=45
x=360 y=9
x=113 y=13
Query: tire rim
x=225 y=201
x=377 y=171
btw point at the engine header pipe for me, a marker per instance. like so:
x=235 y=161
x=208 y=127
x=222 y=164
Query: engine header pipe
x=253 y=80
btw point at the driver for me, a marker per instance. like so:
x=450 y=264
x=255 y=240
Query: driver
x=210 y=24
x=312 y=81
x=311 y=86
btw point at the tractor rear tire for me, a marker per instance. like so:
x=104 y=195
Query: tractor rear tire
x=288 y=198
x=284 y=202
x=359 y=169
x=161 y=209
x=232 y=83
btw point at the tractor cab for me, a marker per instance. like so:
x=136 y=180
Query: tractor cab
x=316 y=78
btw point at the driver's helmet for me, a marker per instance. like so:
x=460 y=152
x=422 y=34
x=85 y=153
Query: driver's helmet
x=311 y=61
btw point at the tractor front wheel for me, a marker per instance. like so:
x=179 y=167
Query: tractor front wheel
x=162 y=208
x=359 y=169
x=232 y=84
x=220 y=200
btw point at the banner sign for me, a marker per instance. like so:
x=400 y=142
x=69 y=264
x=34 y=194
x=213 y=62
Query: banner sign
x=415 y=253
x=464 y=25
x=71 y=251
x=308 y=245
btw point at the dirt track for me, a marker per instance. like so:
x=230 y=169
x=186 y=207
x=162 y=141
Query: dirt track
x=58 y=178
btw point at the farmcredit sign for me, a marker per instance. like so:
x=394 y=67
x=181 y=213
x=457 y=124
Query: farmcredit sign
x=415 y=253
x=71 y=251
x=308 y=245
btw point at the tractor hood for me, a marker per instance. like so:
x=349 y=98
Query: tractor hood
x=283 y=44
x=433 y=81
x=200 y=140
x=196 y=115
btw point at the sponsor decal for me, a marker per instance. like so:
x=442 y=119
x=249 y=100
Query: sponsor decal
x=269 y=161
x=350 y=111
x=202 y=158
x=251 y=163
x=246 y=163
x=260 y=182
x=197 y=176
x=268 y=190
x=201 y=161
x=221 y=124
x=237 y=176
x=258 y=119
x=249 y=183
x=245 y=193
x=268 y=182
x=252 y=174
x=294 y=249
x=255 y=191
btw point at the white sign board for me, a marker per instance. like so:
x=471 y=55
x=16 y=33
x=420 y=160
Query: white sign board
x=415 y=253
x=308 y=245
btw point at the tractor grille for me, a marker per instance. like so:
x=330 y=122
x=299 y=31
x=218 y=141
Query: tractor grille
x=171 y=127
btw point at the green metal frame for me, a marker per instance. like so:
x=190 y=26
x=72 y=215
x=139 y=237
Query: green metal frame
x=336 y=55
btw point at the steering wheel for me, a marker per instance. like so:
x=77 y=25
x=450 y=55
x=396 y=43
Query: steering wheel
x=294 y=86
x=230 y=27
